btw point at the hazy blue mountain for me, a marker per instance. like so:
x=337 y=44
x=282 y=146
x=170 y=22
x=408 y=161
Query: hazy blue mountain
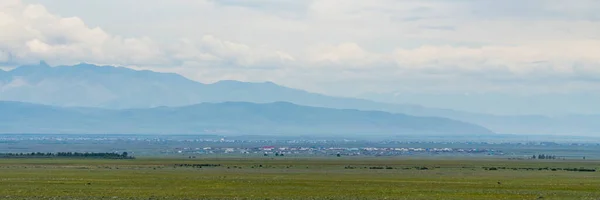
x=116 y=87
x=499 y=103
x=90 y=85
x=86 y=85
x=3 y=75
x=229 y=118
x=581 y=125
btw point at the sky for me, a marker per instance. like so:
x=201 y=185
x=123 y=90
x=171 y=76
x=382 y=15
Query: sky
x=336 y=47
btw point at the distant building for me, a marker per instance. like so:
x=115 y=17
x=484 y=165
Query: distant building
x=268 y=148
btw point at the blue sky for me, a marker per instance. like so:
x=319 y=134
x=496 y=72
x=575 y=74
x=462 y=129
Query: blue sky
x=338 y=47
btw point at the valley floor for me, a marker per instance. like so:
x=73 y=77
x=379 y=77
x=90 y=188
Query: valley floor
x=298 y=178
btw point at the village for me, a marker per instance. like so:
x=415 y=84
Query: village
x=190 y=146
x=281 y=151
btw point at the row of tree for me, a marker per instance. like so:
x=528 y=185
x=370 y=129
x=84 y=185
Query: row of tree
x=544 y=157
x=276 y=154
x=123 y=155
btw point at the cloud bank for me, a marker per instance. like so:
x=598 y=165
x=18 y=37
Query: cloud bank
x=332 y=46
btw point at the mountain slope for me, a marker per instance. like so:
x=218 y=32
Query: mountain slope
x=116 y=87
x=3 y=75
x=225 y=118
x=95 y=86
x=86 y=85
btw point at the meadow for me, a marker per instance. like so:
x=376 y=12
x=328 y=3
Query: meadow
x=298 y=178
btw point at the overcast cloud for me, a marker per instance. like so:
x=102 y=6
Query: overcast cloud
x=340 y=47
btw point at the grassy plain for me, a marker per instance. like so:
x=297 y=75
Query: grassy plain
x=297 y=178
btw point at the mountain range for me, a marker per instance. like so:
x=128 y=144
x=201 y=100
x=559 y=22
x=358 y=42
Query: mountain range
x=551 y=104
x=108 y=87
x=228 y=118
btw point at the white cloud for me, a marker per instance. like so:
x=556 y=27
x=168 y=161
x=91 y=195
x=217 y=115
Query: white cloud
x=30 y=33
x=323 y=45
x=550 y=57
x=4 y=56
x=241 y=54
x=344 y=55
x=15 y=83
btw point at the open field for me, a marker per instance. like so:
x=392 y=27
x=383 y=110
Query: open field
x=297 y=178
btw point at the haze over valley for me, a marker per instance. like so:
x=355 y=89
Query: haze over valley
x=132 y=91
x=477 y=71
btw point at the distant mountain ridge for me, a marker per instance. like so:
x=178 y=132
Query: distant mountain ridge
x=119 y=87
x=87 y=85
x=229 y=118
x=94 y=86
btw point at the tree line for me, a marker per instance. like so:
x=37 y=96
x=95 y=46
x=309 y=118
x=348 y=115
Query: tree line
x=123 y=155
x=544 y=157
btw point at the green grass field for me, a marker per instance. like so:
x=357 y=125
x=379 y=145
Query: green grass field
x=296 y=178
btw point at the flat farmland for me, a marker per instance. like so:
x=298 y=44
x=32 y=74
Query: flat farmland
x=298 y=178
